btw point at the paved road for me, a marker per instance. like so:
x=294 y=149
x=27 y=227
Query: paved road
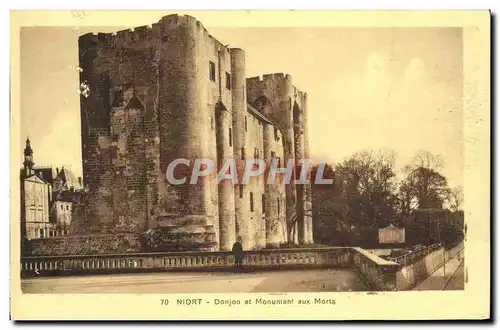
x=322 y=280
x=456 y=282
x=453 y=279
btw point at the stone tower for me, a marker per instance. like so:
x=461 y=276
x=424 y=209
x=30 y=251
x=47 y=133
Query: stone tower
x=286 y=106
x=172 y=91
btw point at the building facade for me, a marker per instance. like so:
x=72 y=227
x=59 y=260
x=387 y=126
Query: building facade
x=50 y=200
x=35 y=199
x=67 y=191
x=172 y=91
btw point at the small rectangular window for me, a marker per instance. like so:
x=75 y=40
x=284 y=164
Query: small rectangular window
x=242 y=153
x=275 y=133
x=278 y=200
x=246 y=124
x=255 y=153
x=212 y=70
x=228 y=81
x=230 y=137
x=251 y=201
x=263 y=204
x=117 y=100
x=241 y=190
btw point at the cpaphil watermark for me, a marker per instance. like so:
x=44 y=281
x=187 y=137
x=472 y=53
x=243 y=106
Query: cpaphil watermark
x=183 y=171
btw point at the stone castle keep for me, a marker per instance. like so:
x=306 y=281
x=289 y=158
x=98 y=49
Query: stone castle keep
x=168 y=91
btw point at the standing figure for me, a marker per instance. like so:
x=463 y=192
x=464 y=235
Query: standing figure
x=238 y=253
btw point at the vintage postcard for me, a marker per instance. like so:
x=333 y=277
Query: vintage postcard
x=250 y=165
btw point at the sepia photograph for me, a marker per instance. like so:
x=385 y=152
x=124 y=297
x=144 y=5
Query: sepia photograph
x=219 y=164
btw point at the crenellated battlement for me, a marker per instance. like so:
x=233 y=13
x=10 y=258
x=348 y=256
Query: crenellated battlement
x=147 y=32
x=140 y=33
x=270 y=77
x=173 y=20
x=106 y=39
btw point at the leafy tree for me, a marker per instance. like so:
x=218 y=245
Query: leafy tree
x=366 y=196
x=371 y=188
x=363 y=197
x=407 y=201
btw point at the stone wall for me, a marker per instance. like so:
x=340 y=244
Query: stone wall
x=85 y=245
x=411 y=274
x=255 y=187
x=287 y=108
x=402 y=275
x=379 y=273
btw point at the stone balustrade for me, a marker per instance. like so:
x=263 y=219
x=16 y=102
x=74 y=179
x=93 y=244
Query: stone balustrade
x=261 y=259
x=414 y=256
x=378 y=273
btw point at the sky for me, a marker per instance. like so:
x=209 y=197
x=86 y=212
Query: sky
x=396 y=89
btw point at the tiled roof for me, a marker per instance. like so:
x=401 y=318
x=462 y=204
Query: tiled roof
x=68 y=178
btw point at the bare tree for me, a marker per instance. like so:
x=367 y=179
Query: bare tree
x=455 y=198
x=424 y=181
x=426 y=159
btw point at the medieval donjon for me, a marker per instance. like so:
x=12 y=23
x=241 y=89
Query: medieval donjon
x=171 y=90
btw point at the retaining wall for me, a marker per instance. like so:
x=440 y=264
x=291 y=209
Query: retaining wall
x=410 y=275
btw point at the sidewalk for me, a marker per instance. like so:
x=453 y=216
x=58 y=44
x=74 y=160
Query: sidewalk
x=458 y=281
x=438 y=279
